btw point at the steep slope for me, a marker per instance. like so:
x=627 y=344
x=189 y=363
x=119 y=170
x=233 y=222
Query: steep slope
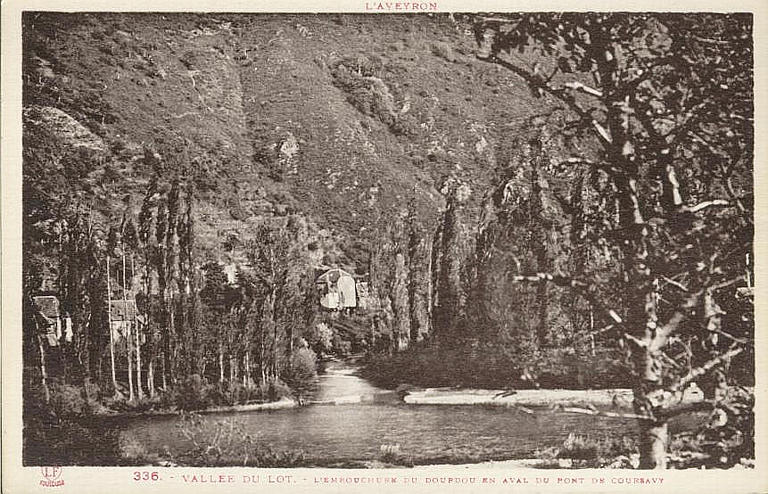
x=344 y=118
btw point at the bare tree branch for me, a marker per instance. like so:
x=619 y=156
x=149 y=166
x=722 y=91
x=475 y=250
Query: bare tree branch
x=703 y=369
x=577 y=86
x=600 y=413
x=559 y=93
x=578 y=285
x=706 y=204
x=675 y=283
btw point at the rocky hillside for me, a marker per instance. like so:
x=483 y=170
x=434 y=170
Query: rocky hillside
x=344 y=118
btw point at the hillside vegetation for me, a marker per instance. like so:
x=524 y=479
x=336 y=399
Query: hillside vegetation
x=342 y=118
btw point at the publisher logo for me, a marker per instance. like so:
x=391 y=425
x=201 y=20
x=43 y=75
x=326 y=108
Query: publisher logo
x=51 y=477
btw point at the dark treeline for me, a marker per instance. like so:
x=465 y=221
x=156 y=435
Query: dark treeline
x=178 y=326
x=471 y=321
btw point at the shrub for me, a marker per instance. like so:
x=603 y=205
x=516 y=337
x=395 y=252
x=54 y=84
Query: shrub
x=67 y=400
x=444 y=51
x=370 y=94
x=236 y=393
x=726 y=440
x=587 y=452
x=341 y=346
x=301 y=374
x=274 y=390
x=194 y=393
x=227 y=443
x=133 y=452
x=320 y=337
x=390 y=453
x=51 y=441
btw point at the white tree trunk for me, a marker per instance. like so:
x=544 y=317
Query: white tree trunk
x=139 y=391
x=138 y=363
x=654 y=440
x=165 y=380
x=129 y=352
x=128 y=345
x=151 y=378
x=111 y=336
x=43 y=372
x=221 y=365
x=247 y=374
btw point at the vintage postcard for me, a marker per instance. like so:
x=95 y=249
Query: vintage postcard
x=364 y=246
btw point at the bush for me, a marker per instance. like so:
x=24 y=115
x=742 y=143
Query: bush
x=227 y=443
x=67 y=400
x=320 y=337
x=301 y=374
x=341 y=346
x=726 y=440
x=194 y=393
x=390 y=453
x=587 y=452
x=444 y=51
x=275 y=390
x=133 y=452
x=237 y=393
x=370 y=94
x=53 y=435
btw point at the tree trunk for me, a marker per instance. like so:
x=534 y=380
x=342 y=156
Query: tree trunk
x=592 y=330
x=221 y=365
x=138 y=363
x=263 y=366
x=151 y=377
x=247 y=369
x=111 y=336
x=129 y=350
x=648 y=402
x=654 y=440
x=129 y=353
x=164 y=380
x=539 y=241
x=139 y=391
x=170 y=351
x=43 y=372
x=542 y=328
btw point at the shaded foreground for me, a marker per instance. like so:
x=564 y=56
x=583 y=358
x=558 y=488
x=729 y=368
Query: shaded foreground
x=372 y=428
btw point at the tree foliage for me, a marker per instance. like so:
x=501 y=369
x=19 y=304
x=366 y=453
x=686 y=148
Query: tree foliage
x=660 y=109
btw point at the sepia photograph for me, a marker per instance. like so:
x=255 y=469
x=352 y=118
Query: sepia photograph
x=403 y=240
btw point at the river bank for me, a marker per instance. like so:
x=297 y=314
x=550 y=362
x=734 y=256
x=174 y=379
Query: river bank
x=618 y=399
x=282 y=404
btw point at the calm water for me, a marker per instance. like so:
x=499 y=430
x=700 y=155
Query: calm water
x=427 y=433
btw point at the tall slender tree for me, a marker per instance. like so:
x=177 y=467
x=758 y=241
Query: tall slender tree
x=419 y=270
x=449 y=296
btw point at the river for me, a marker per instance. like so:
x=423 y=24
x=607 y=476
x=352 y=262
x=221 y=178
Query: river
x=428 y=434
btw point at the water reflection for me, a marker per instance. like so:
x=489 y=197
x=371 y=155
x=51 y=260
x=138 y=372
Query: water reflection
x=427 y=433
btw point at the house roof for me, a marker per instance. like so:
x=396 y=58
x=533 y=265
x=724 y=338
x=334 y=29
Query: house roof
x=332 y=275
